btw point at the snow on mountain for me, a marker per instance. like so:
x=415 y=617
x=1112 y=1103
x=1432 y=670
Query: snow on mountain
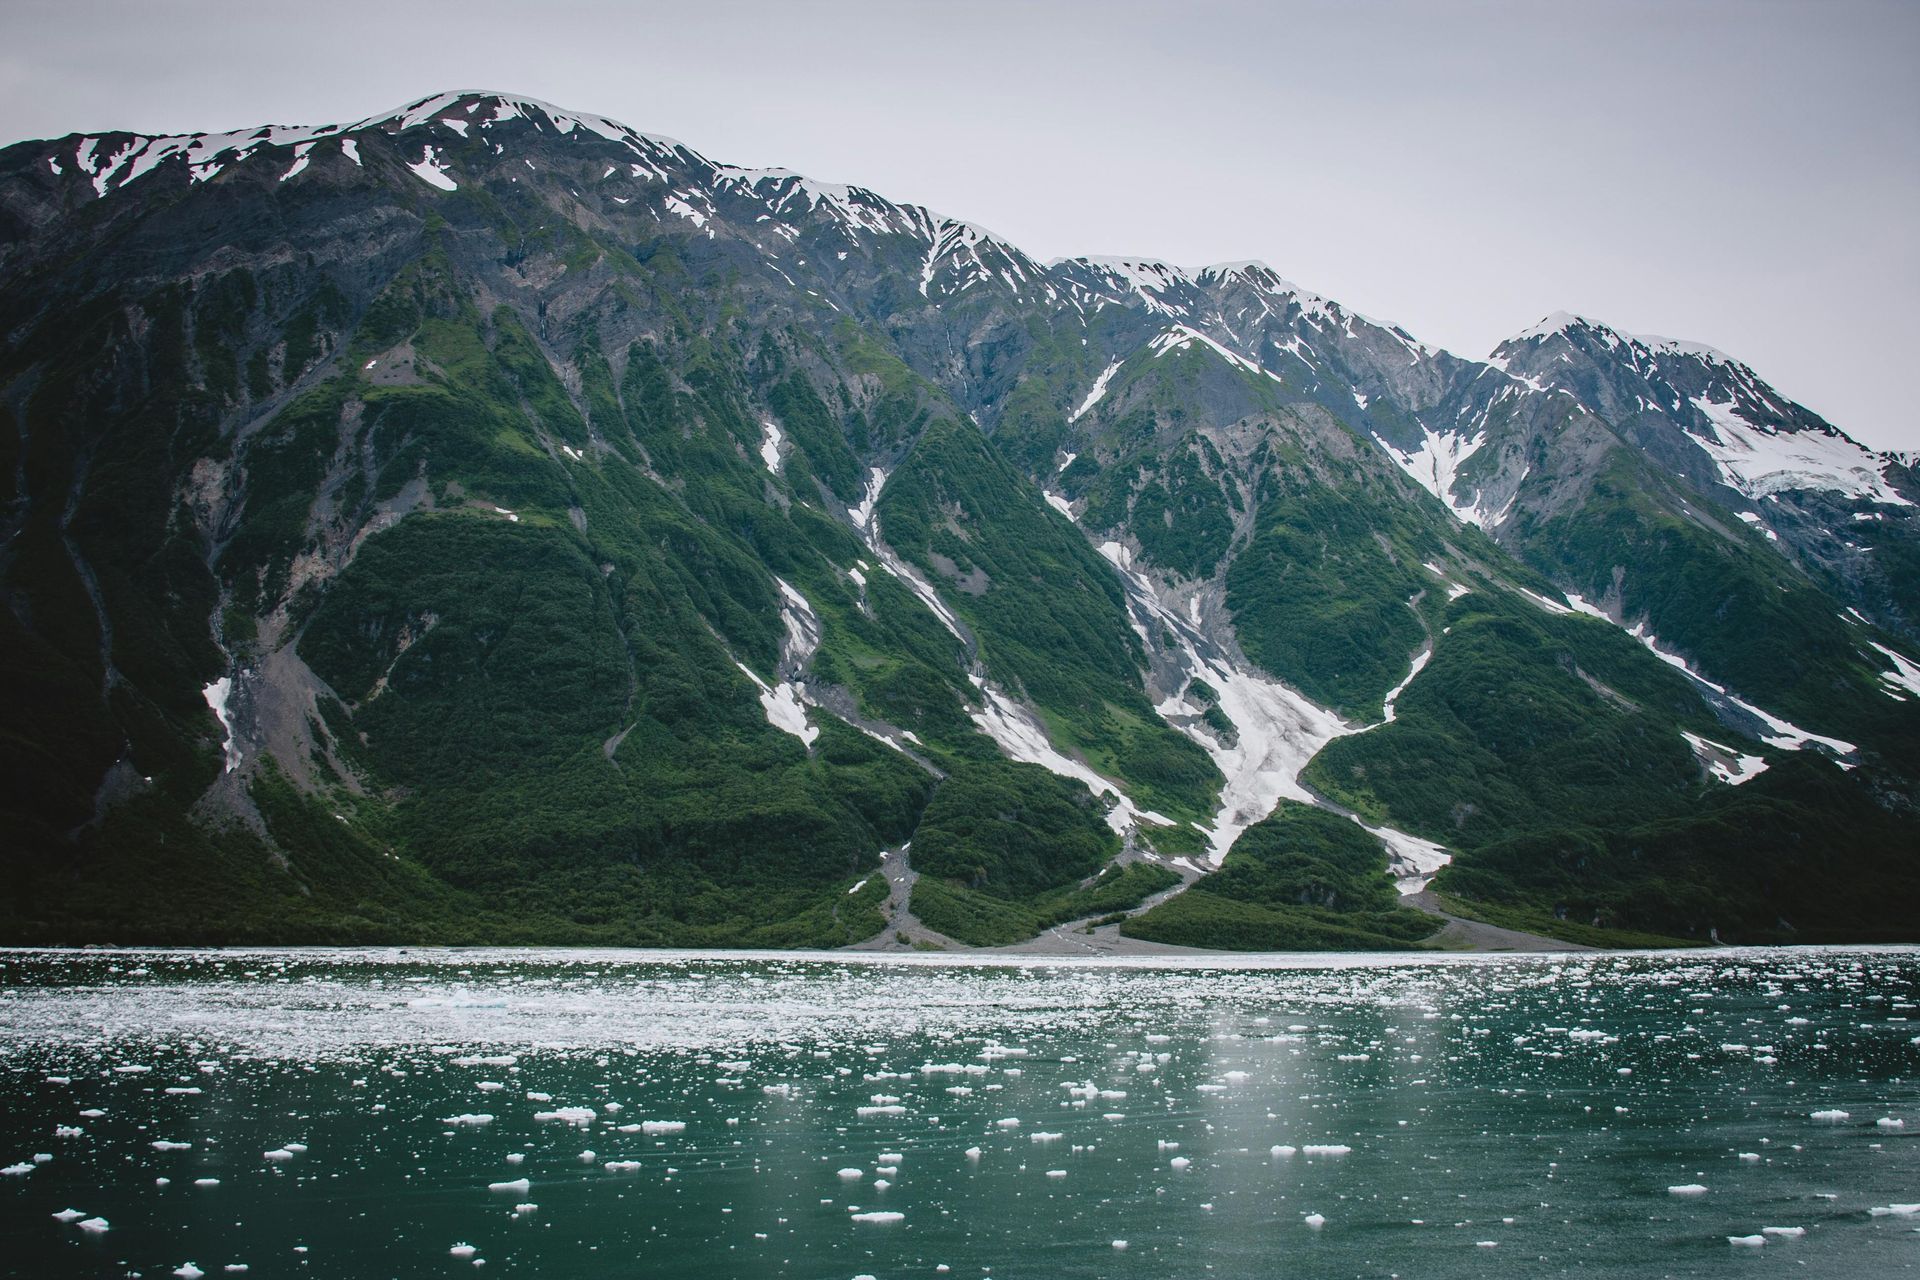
x=206 y=154
x=1761 y=444
x=1181 y=336
x=1760 y=461
x=1436 y=465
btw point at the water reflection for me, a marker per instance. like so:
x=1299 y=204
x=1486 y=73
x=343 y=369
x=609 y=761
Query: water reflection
x=314 y=1112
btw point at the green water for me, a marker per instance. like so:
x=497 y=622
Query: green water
x=1486 y=1116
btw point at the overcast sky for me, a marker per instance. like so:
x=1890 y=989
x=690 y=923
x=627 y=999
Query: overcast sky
x=1740 y=173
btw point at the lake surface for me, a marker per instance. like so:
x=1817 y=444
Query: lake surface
x=371 y=1113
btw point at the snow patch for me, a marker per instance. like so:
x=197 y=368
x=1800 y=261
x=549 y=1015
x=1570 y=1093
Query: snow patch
x=1905 y=674
x=1276 y=732
x=1759 y=461
x=430 y=170
x=1022 y=737
x=1785 y=735
x=1723 y=762
x=1436 y=464
x=1180 y=337
x=1098 y=392
x=216 y=695
x=299 y=161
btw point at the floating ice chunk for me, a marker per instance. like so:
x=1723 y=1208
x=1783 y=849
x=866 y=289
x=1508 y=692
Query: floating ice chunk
x=1327 y=1149
x=95 y=1225
x=851 y=1174
x=70 y=1215
x=1283 y=1151
x=879 y=1215
x=463 y=1251
x=467 y=1119
x=568 y=1115
x=973 y=1153
x=489 y=1086
x=1687 y=1189
x=1315 y=1220
x=277 y=1155
x=1784 y=1233
x=1888 y=1122
x=889 y=1157
x=1056 y=1173
x=521 y=1210
x=1893 y=1211
x=539 y=1097
x=1751 y=1157
x=1830 y=1117
x=1011 y=1122
x=187 y=1271
x=519 y=1186
x=1746 y=1242
x=1046 y=1137
x=663 y=1126
x=1120 y=1244
x=622 y=1166
x=1179 y=1162
x=515 y=1157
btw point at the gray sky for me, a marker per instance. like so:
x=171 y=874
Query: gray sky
x=1740 y=173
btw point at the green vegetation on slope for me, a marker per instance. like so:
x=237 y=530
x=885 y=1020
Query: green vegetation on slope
x=1523 y=718
x=1303 y=879
x=1741 y=613
x=1321 y=595
x=982 y=920
x=1547 y=752
x=1048 y=613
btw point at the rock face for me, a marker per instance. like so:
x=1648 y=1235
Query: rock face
x=488 y=522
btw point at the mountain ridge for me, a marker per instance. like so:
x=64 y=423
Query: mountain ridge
x=850 y=472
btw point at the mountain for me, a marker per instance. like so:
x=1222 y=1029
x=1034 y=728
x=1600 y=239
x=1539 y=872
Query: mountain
x=486 y=522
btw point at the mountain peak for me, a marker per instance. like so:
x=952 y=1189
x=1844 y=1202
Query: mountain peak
x=1565 y=322
x=1555 y=323
x=129 y=155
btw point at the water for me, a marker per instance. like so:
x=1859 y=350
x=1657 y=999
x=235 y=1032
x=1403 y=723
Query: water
x=1436 y=1116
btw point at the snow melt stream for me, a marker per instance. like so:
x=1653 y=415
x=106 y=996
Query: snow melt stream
x=1002 y=717
x=1277 y=731
x=216 y=695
